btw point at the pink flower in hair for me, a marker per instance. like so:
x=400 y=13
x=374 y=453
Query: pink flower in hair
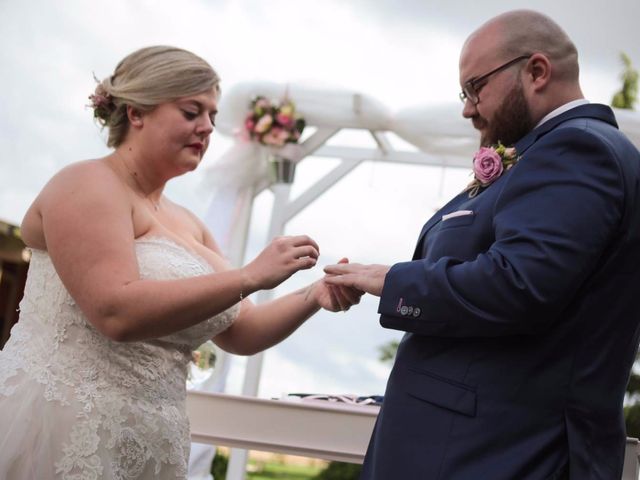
x=102 y=104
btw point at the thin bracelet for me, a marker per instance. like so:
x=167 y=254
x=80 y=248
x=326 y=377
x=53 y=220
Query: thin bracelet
x=241 y=296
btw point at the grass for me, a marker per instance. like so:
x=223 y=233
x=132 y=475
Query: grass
x=281 y=471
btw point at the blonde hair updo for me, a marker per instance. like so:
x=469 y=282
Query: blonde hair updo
x=146 y=78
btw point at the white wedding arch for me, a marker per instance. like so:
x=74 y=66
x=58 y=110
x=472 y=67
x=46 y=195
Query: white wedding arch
x=434 y=135
x=438 y=133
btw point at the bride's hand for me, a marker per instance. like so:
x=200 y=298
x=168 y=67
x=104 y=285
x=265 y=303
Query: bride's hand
x=335 y=298
x=283 y=257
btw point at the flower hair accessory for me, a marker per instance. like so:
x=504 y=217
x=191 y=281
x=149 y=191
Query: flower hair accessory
x=274 y=124
x=102 y=104
x=488 y=164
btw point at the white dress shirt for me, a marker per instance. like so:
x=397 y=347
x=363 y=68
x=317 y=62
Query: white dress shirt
x=562 y=109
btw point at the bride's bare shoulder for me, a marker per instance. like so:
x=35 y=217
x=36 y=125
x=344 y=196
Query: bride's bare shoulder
x=83 y=184
x=92 y=171
x=87 y=179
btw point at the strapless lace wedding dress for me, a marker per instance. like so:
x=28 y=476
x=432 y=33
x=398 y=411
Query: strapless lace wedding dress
x=75 y=405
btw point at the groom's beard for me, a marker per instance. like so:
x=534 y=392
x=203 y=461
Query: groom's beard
x=512 y=120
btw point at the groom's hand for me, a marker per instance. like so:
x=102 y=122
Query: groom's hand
x=366 y=278
x=333 y=297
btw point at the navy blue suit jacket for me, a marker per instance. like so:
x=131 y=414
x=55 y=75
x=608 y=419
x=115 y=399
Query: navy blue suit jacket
x=522 y=318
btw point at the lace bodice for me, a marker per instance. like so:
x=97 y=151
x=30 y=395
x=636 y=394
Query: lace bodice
x=127 y=398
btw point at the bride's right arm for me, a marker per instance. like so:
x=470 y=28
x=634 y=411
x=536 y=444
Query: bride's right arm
x=87 y=224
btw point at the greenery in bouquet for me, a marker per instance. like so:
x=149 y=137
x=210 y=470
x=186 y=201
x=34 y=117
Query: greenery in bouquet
x=274 y=124
x=205 y=356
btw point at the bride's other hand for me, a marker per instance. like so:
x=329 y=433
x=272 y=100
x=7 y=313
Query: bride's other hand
x=335 y=298
x=283 y=257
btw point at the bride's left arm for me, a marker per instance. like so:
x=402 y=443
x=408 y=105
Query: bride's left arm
x=259 y=327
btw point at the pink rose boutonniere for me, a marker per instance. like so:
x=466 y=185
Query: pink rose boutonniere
x=488 y=164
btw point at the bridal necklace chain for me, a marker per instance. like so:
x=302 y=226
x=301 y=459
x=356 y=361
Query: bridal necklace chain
x=134 y=176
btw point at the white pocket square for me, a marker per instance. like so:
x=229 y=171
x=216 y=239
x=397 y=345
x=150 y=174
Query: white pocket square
x=458 y=213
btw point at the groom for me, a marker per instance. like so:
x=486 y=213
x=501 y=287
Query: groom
x=521 y=304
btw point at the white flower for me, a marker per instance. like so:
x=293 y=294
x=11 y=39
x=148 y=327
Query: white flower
x=263 y=124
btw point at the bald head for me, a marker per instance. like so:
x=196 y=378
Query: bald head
x=522 y=32
x=514 y=70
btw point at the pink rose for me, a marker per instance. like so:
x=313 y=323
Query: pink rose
x=282 y=134
x=275 y=136
x=99 y=100
x=269 y=139
x=284 y=120
x=249 y=123
x=487 y=165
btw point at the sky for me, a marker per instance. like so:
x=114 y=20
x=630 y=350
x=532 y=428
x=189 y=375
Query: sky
x=403 y=53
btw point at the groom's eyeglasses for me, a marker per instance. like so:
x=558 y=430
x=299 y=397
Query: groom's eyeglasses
x=471 y=89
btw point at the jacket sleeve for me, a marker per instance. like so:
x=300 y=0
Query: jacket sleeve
x=559 y=210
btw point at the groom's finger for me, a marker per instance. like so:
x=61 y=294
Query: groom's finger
x=334 y=269
x=342 y=268
x=343 y=280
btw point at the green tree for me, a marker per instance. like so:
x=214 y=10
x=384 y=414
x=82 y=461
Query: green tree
x=219 y=466
x=388 y=351
x=628 y=95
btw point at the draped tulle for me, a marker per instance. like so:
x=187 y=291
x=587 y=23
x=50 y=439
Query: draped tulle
x=75 y=405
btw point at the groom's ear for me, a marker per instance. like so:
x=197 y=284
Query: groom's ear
x=538 y=71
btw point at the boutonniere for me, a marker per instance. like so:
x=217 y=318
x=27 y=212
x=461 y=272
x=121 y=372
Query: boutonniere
x=488 y=164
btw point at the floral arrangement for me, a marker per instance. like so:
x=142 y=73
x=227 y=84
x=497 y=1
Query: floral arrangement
x=488 y=164
x=274 y=124
x=203 y=363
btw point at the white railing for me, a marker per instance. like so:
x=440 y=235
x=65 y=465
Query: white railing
x=631 y=457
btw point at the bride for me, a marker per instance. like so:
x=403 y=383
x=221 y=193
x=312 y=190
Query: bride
x=124 y=284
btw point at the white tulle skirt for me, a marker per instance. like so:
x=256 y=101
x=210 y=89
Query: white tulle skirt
x=34 y=443
x=31 y=433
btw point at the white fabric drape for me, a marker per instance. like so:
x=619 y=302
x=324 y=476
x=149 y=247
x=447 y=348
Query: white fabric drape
x=438 y=130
